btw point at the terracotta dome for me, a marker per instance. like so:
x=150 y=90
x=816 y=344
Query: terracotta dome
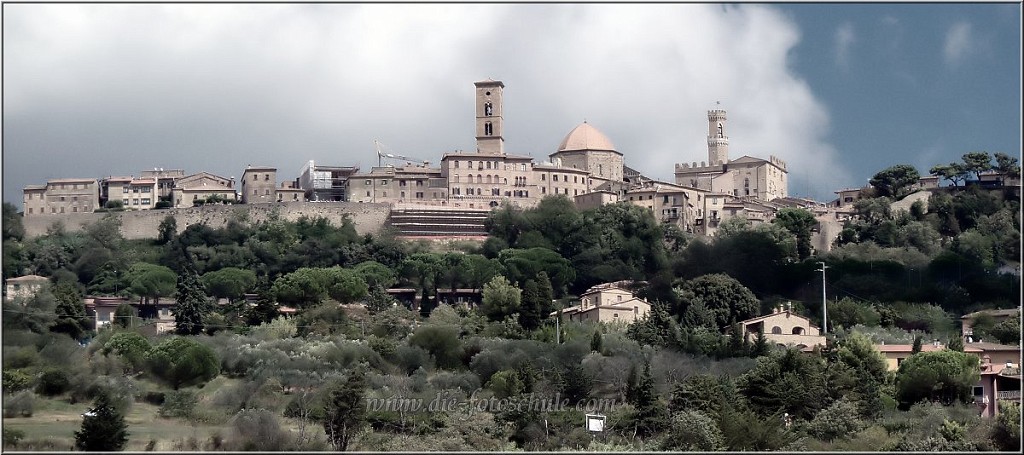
x=585 y=137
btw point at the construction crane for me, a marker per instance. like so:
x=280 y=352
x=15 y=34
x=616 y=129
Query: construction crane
x=381 y=156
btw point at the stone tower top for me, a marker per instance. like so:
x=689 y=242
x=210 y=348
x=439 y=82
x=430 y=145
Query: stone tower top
x=718 y=140
x=489 y=120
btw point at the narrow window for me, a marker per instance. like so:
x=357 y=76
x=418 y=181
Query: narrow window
x=488 y=129
x=720 y=131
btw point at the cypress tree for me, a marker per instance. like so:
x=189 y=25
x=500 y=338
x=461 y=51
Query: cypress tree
x=345 y=412
x=596 y=342
x=530 y=311
x=917 y=345
x=70 y=311
x=545 y=294
x=192 y=303
x=103 y=428
x=651 y=414
x=957 y=343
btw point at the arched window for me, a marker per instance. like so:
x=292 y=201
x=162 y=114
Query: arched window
x=777 y=330
x=456 y=178
x=488 y=165
x=720 y=131
x=488 y=109
x=798 y=330
x=488 y=129
x=479 y=178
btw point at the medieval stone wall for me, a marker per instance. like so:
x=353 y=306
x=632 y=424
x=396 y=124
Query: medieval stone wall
x=368 y=218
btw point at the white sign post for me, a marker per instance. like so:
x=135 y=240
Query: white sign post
x=595 y=422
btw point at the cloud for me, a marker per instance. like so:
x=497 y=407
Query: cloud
x=959 y=43
x=97 y=90
x=845 y=37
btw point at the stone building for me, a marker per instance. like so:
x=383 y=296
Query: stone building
x=71 y=195
x=259 y=184
x=416 y=184
x=744 y=176
x=290 y=192
x=785 y=328
x=24 y=286
x=165 y=179
x=608 y=303
x=200 y=186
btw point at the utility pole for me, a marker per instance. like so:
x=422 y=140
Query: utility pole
x=824 y=303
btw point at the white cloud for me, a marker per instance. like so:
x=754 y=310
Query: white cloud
x=216 y=87
x=959 y=42
x=845 y=37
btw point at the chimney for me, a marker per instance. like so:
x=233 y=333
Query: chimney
x=789 y=306
x=935 y=343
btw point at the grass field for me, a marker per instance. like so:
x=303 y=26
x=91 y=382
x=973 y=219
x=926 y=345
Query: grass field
x=55 y=421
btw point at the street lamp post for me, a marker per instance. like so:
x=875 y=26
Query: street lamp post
x=824 y=302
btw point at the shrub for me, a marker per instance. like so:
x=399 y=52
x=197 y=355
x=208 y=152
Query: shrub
x=21 y=404
x=837 y=421
x=257 y=430
x=12 y=437
x=15 y=380
x=53 y=382
x=183 y=361
x=693 y=431
x=179 y=403
x=411 y=358
x=154 y=398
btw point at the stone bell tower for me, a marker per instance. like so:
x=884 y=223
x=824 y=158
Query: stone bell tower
x=718 y=140
x=489 y=122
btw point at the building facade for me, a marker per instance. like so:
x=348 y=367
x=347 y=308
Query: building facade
x=259 y=184
x=326 y=183
x=191 y=189
x=744 y=176
x=608 y=303
x=72 y=195
x=785 y=328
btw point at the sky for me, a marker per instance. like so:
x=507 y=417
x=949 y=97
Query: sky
x=838 y=91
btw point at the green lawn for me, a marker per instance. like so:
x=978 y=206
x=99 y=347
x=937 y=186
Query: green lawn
x=57 y=420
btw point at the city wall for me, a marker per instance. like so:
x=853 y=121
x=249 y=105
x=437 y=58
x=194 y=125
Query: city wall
x=368 y=218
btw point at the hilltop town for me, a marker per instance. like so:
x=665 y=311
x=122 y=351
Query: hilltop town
x=574 y=304
x=449 y=199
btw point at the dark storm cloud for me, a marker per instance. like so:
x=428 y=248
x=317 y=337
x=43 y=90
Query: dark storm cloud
x=97 y=90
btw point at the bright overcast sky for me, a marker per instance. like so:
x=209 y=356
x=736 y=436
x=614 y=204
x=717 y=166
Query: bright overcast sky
x=838 y=91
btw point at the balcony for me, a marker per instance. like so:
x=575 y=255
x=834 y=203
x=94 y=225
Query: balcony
x=1008 y=395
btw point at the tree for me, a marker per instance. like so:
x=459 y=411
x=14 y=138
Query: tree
x=166 y=231
x=916 y=347
x=576 y=384
x=125 y=316
x=954 y=172
x=379 y=300
x=151 y=280
x=1007 y=165
x=1006 y=432
x=182 y=361
x=956 y=343
x=799 y=222
x=895 y=181
x=977 y=162
x=500 y=299
x=376 y=274
x=693 y=431
x=723 y=296
x=531 y=311
x=103 y=428
x=130 y=346
x=70 y=310
x=345 y=412
x=946 y=376
x=345 y=286
x=303 y=287
x=191 y=305
x=870 y=373
x=230 y=282
x=651 y=414
x=12 y=226
x=787 y=381
x=596 y=342
x=442 y=342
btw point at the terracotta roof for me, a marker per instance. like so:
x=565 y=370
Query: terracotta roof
x=70 y=180
x=27 y=278
x=585 y=137
x=1004 y=312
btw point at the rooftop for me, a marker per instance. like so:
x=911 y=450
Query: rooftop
x=585 y=137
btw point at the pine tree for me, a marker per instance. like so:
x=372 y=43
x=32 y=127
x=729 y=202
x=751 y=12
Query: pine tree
x=103 y=428
x=192 y=304
x=345 y=412
x=265 y=309
x=760 y=345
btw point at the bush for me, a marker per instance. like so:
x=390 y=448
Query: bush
x=257 y=430
x=840 y=420
x=15 y=380
x=411 y=358
x=154 y=398
x=693 y=431
x=12 y=437
x=179 y=403
x=53 y=382
x=183 y=361
x=21 y=404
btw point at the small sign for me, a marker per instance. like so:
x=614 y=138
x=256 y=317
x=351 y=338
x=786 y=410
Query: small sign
x=595 y=422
